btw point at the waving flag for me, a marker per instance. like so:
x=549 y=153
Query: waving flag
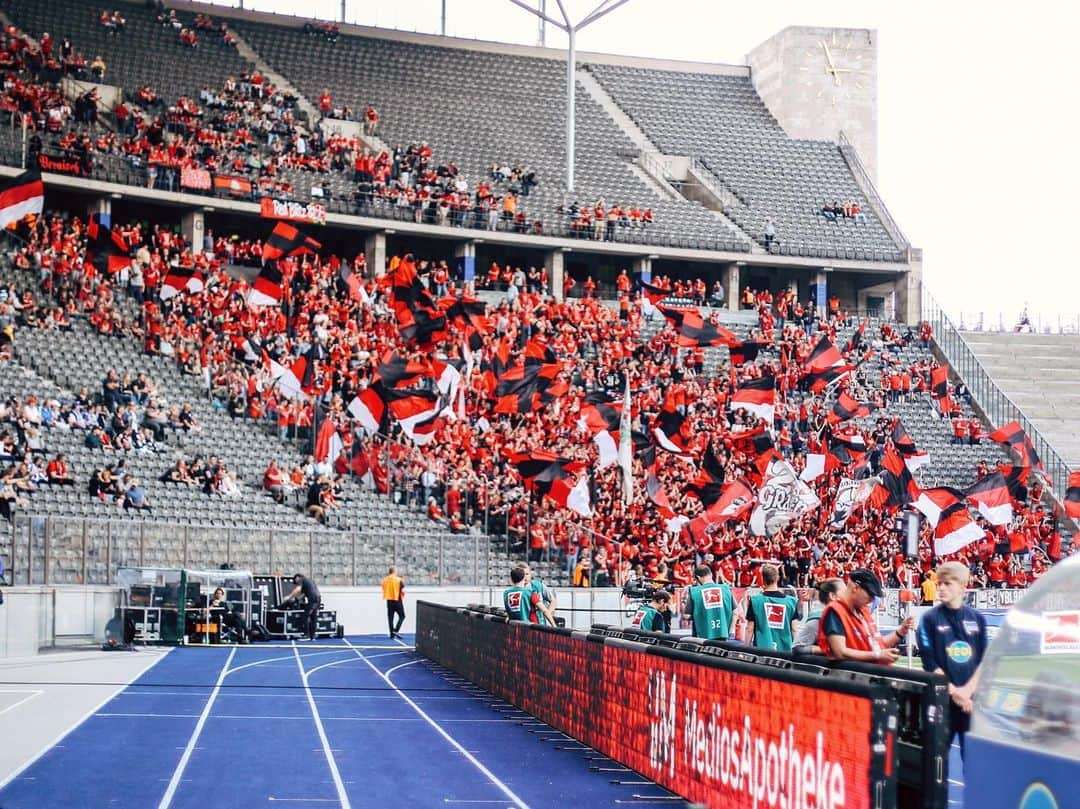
x=847 y=408
x=20 y=196
x=354 y=284
x=824 y=365
x=744 y=352
x=757 y=396
x=266 y=290
x=695 y=331
x=105 y=248
x=991 y=495
x=939 y=389
x=933 y=503
x=179 y=279
x=575 y=498
x=905 y=445
x=1013 y=436
x=539 y=469
x=849 y=494
x=651 y=295
x=328 y=443
x=955 y=530
x=781 y=498
x=286 y=240
x=528 y=386
x=602 y=418
x=671 y=430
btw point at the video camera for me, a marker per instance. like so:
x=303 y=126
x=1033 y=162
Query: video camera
x=642 y=589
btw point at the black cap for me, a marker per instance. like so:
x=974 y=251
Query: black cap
x=868 y=581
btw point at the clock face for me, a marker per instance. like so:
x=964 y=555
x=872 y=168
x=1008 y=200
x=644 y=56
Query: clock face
x=835 y=64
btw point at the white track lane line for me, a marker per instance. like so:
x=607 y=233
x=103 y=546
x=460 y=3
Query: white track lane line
x=15 y=705
x=518 y=802
x=352 y=660
x=343 y=796
x=178 y=773
x=157 y=659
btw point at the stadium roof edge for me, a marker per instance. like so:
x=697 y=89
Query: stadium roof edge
x=405 y=227
x=486 y=46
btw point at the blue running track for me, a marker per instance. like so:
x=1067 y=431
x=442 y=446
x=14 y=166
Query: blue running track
x=361 y=722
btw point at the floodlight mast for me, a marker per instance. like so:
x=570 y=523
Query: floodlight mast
x=602 y=9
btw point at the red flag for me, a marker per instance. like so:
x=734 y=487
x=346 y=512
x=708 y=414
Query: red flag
x=328 y=444
x=1072 y=496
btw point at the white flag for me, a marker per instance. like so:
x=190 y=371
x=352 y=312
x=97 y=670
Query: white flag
x=626 y=449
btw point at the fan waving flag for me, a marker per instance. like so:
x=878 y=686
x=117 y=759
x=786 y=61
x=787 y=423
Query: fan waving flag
x=955 y=530
x=1072 y=496
x=266 y=290
x=757 y=396
x=20 y=196
x=575 y=498
x=651 y=295
x=328 y=444
x=105 y=248
x=181 y=279
x=905 y=445
x=695 y=331
x=824 y=365
x=939 y=389
x=991 y=495
x=1013 y=435
x=354 y=284
x=601 y=417
x=286 y=240
x=747 y=351
x=847 y=408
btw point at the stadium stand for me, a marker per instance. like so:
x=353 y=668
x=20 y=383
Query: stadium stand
x=455 y=509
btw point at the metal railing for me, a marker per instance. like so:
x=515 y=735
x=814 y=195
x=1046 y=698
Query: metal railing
x=1036 y=324
x=48 y=550
x=862 y=177
x=712 y=180
x=996 y=406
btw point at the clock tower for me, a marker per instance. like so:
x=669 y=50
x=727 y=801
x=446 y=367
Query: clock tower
x=818 y=82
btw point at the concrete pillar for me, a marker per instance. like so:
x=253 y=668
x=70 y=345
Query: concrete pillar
x=907 y=290
x=102 y=205
x=642 y=268
x=465 y=252
x=375 y=253
x=193 y=228
x=553 y=263
x=819 y=291
x=732 y=286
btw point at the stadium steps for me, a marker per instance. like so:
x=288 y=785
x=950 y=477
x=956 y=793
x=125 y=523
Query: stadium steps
x=1040 y=374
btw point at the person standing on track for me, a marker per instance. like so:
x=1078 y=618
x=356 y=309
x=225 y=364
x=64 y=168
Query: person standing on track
x=952 y=642
x=312 y=599
x=710 y=605
x=393 y=593
x=771 y=614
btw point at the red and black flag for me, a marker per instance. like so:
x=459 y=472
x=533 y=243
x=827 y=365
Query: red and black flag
x=20 y=196
x=181 y=278
x=466 y=312
x=939 y=389
x=708 y=485
x=1013 y=436
x=675 y=316
x=105 y=248
x=1016 y=478
x=845 y=449
x=955 y=529
x=524 y=388
x=746 y=351
x=397 y=372
x=695 y=331
x=419 y=317
x=417 y=412
x=898 y=487
x=934 y=503
x=1072 y=496
x=266 y=289
x=757 y=396
x=653 y=294
x=990 y=494
x=824 y=365
x=353 y=284
x=600 y=417
x=847 y=408
x=905 y=445
x=287 y=240
x=539 y=468
x=671 y=430
x=856 y=338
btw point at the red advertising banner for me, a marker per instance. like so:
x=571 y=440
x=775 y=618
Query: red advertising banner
x=60 y=165
x=708 y=730
x=199 y=179
x=311 y=212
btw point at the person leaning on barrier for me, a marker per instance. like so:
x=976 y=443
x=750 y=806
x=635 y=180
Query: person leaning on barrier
x=547 y=595
x=771 y=614
x=650 y=616
x=848 y=630
x=521 y=602
x=806 y=637
x=710 y=605
x=312 y=598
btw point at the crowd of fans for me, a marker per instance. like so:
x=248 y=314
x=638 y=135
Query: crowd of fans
x=462 y=479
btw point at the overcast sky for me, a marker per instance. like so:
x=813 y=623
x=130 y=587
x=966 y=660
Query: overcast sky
x=977 y=108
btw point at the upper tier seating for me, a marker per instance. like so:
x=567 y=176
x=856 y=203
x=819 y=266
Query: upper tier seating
x=722 y=121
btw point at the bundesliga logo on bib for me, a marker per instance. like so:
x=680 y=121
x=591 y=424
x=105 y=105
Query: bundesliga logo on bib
x=712 y=598
x=514 y=600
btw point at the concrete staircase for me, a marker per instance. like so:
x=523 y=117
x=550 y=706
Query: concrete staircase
x=1040 y=374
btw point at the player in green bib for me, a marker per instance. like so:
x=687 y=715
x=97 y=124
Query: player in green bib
x=521 y=602
x=547 y=596
x=770 y=614
x=648 y=617
x=711 y=605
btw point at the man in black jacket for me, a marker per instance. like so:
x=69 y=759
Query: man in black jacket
x=312 y=600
